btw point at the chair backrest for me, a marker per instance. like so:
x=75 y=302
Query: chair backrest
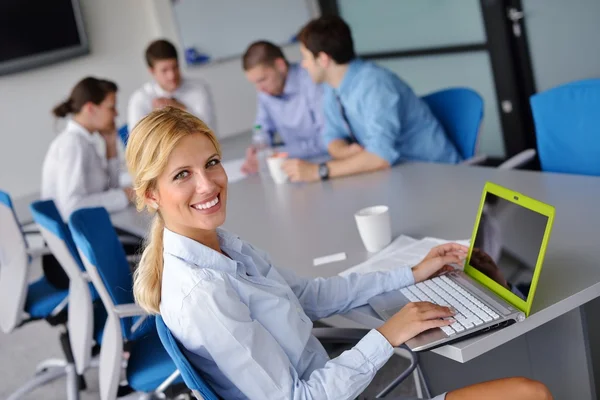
x=124 y=134
x=106 y=264
x=460 y=111
x=81 y=313
x=567 y=125
x=104 y=258
x=14 y=267
x=190 y=375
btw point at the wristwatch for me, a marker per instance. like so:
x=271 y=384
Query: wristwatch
x=323 y=171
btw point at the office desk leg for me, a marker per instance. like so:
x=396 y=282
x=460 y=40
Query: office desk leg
x=557 y=354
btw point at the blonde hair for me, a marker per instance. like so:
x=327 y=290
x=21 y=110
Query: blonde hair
x=150 y=144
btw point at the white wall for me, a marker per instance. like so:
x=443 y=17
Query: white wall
x=234 y=97
x=563 y=40
x=118 y=33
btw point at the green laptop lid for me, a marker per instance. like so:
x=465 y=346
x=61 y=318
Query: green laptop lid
x=508 y=244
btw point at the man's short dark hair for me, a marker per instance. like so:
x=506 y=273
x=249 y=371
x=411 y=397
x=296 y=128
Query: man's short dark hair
x=160 y=50
x=261 y=53
x=330 y=35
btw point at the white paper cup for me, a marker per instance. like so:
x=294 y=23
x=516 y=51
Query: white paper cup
x=374 y=227
x=277 y=173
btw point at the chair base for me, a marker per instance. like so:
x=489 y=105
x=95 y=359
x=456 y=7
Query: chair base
x=48 y=371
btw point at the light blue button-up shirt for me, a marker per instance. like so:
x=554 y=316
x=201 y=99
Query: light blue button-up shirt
x=296 y=115
x=386 y=117
x=247 y=325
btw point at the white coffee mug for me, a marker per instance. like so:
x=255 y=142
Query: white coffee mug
x=374 y=227
x=277 y=173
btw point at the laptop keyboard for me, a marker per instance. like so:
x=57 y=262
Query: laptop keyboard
x=470 y=312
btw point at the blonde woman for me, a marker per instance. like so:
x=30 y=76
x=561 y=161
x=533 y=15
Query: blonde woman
x=242 y=321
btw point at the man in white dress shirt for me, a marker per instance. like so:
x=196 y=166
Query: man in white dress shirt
x=169 y=88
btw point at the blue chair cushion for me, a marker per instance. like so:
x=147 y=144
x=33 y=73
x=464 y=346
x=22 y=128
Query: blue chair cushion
x=100 y=316
x=42 y=298
x=149 y=363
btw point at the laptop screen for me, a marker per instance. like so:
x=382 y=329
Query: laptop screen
x=508 y=243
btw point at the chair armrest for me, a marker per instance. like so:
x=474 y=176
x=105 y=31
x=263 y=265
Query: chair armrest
x=38 y=252
x=339 y=335
x=475 y=160
x=129 y=310
x=353 y=335
x=134 y=258
x=414 y=362
x=60 y=307
x=518 y=160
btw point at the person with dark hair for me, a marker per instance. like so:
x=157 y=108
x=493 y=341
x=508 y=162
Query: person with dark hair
x=169 y=88
x=289 y=103
x=373 y=119
x=75 y=174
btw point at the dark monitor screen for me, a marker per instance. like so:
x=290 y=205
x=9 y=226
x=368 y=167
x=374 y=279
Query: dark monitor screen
x=36 y=32
x=508 y=243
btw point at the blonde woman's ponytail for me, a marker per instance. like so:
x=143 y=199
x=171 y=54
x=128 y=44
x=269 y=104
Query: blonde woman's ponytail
x=147 y=278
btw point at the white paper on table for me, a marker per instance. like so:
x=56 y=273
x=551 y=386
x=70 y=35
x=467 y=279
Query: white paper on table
x=329 y=259
x=233 y=168
x=403 y=251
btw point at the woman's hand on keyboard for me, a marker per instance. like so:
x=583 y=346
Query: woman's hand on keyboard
x=413 y=319
x=437 y=260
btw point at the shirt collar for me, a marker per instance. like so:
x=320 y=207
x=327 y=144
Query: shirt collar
x=160 y=92
x=73 y=126
x=347 y=82
x=203 y=256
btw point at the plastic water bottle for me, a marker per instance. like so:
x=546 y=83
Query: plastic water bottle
x=262 y=143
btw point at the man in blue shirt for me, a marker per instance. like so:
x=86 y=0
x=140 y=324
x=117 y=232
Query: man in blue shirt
x=289 y=103
x=373 y=120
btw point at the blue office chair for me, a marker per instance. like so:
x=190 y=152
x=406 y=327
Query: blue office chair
x=124 y=134
x=190 y=375
x=567 y=125
x=460 y=111
x=149 y=368
x=86 y=314
x=24 y=302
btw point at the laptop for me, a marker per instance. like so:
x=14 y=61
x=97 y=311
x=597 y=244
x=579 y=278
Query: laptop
x=497 y=285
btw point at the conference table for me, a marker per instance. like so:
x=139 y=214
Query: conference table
x=295 y=223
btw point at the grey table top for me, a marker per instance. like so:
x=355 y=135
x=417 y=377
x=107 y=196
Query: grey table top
x=297 y=222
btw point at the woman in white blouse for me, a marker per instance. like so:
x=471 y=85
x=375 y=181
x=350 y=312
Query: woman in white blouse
x=243 y=322
x=74 y=173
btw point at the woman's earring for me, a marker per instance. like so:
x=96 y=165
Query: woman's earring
x=154 y=205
